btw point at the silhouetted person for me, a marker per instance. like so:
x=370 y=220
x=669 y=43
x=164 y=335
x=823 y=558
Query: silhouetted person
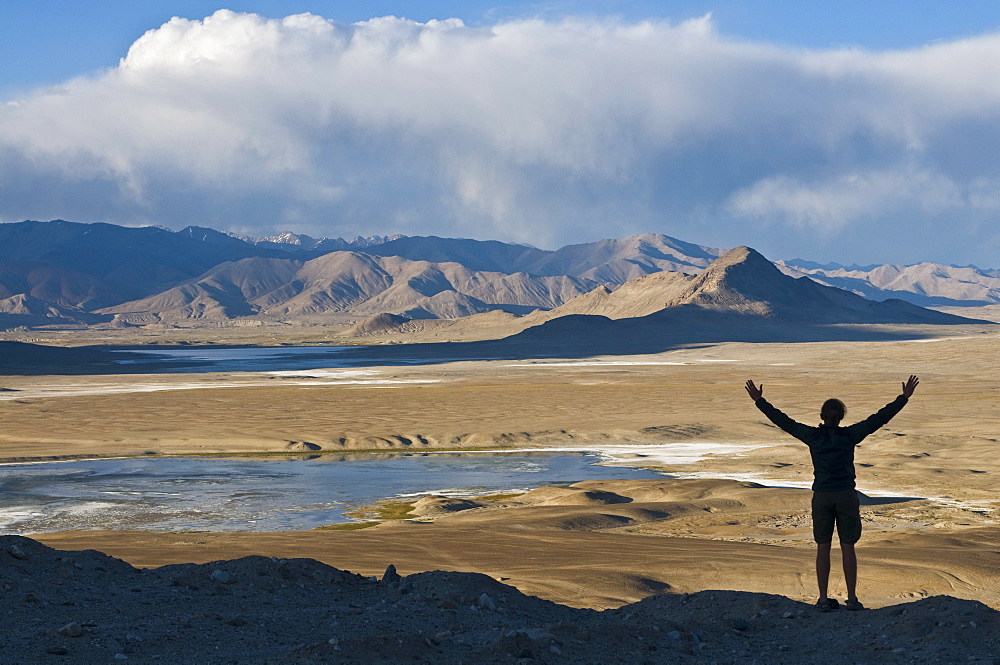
x=835 y=501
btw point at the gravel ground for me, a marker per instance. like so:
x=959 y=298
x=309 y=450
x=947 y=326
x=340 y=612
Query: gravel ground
x=86 y=607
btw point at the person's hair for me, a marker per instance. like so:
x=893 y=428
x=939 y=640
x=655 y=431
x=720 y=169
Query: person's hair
x=833 y=409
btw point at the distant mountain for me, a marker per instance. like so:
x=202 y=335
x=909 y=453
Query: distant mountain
x=58 y=286
x=288 y=243
x=638 y=297
x=742 y=282
x=618 y=261
x=143 y=273
x=87 y=266
x=25 y=310
x=301 y=245
x=349 y=282
x=611 y=261
x=925 y=284
x=67 y=273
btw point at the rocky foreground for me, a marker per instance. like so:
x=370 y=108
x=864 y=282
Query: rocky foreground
x=87 y=607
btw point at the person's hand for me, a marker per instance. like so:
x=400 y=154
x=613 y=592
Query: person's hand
x=910 y=386
x=755 y=392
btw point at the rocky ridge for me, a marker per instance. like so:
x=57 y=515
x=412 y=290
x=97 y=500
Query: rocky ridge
x=85 y=607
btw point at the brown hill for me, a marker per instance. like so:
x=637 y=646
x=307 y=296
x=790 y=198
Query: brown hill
x=637 y=297
x=745 y=283
x=352 y=283
x=377 y=325
x=742 y=281
x=741 y=296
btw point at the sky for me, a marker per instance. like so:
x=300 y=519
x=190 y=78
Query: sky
x=856 y=132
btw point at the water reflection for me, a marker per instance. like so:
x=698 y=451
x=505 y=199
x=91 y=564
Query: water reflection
x=235 y=358
x=264 y=494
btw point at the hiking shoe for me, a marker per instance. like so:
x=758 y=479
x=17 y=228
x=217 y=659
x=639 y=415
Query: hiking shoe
x=854 y=605
x=827 y=604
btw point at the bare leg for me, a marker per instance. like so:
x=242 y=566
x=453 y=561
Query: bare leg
x=850 y=569
x=823 y=568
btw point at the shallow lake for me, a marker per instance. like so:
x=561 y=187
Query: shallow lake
x=235 y=358
x=264 y=494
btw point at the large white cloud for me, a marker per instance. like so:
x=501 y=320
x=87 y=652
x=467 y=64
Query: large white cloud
x=535 y=131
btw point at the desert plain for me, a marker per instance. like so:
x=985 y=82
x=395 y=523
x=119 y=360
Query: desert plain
x=729 y=520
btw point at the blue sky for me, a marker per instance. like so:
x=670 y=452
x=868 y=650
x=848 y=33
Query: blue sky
x=847 y=131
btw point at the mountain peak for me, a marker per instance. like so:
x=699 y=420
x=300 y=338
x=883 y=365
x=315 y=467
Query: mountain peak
x=742 y=255
x=744 y=279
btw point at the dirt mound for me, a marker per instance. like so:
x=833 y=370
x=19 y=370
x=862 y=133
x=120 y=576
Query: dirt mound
x=572 y=496
x=88 y=607
x=438 y=505
x=377 y=325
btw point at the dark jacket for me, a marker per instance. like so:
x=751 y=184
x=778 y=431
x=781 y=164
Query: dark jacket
x=832 y=448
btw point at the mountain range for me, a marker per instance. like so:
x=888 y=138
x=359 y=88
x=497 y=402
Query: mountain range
x=741 y=296
x=69 y=273
x=744 y=283
x=924 y=284
x=299 y=245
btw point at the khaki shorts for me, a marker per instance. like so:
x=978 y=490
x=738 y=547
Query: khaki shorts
x=840 y=508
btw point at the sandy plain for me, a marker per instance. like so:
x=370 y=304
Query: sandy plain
x=931 y=526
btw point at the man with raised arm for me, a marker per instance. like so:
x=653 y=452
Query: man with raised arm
x=835 y=501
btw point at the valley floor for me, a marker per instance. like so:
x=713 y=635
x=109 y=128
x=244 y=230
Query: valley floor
x=931 y=526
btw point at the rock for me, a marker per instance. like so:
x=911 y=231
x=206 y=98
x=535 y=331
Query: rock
x=71 y=630
x=222 y=577
x=302 y=446
x=57 y=651
x=674 y=634
x=536 y=634
x=391 y=576
x=741 y=624
x=788 y=615
x=555 y=650
x=486 y=603
x=120 y=656
x=16 y=552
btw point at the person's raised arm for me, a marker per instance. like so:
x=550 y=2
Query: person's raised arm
x=798 y=430
x=886 y=413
